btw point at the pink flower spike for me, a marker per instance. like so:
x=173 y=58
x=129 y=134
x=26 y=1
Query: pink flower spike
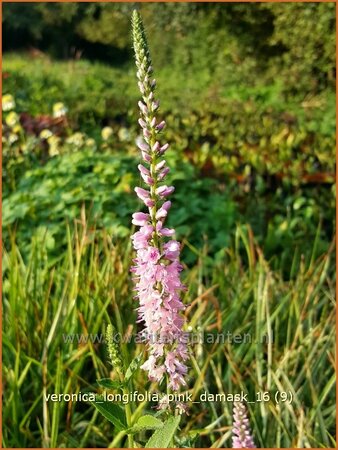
x=241 y=431
x=156 y=267
x=164 y=191
x=143 y=108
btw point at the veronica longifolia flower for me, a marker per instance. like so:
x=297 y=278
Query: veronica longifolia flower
x=157 y=267
x=241 y=433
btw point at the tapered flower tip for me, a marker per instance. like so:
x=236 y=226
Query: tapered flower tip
x=135 y=14
x=140 y=41
x=136 y=19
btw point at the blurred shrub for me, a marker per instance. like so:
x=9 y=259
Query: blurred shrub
x=262 y=162
x=48 y=196
x=248 y=133
x=308 y=62
x=254 y=44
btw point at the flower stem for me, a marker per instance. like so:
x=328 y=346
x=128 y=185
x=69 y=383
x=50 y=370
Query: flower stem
x=128 y=411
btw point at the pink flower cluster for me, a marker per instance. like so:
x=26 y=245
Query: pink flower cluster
x=156 y=266
x=241 y=432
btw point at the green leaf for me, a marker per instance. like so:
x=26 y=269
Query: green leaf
x=107 y=383
x=163 y=436
x=114 y=413
x=133 y=366
x=146 y=422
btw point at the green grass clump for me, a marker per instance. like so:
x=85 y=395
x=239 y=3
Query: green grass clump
x=285 y=342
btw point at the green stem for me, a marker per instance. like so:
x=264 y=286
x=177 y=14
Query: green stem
x=126 y=392
x=117 y=439
x=129 y=421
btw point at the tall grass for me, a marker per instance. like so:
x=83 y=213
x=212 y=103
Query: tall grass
x=290 y=348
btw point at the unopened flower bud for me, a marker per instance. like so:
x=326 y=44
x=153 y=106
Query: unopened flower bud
x=142 y=123
x=160 y=126
x=143 y=108
x=164 y=191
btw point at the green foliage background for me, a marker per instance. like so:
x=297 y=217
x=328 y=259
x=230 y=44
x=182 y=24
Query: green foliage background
x=260 y=41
